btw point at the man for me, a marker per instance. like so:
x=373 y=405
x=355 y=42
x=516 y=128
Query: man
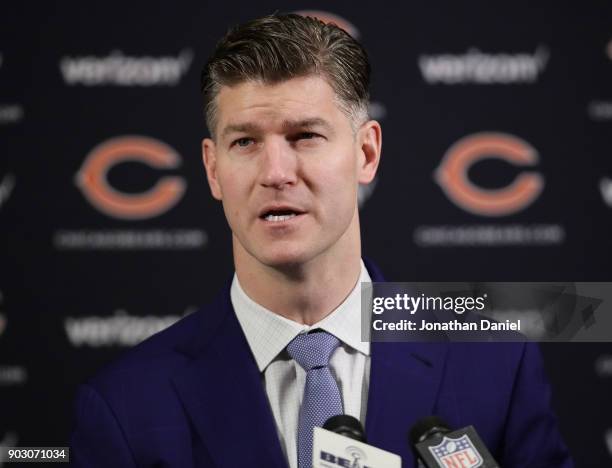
x=243 y=381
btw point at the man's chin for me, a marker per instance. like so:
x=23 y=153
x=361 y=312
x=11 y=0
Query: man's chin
x=284 y=258
x=283 y=261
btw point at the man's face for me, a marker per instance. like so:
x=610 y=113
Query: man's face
x=286 y=163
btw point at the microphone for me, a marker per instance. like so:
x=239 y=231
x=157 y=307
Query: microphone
x=346 y=426
x=437 y=446
x=341 y=442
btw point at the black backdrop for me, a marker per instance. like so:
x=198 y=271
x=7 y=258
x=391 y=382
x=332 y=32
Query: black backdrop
x=96 y=257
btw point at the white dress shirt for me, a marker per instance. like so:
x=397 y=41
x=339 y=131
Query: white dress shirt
x=268 y=334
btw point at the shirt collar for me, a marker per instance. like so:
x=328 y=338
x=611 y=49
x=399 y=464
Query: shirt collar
x=269 y=333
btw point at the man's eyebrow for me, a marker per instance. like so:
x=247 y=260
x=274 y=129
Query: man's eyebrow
x=287 y=125
x=307 y=123
x=239 y=128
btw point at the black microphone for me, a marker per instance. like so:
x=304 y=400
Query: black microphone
x=347 y=426
x=436 y=445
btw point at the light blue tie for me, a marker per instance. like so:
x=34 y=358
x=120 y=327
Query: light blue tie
x=321 y=398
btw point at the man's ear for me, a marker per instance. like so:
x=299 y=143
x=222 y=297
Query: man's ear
x=369 y=139
x=209 y=156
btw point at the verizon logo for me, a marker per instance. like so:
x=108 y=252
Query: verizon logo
x=119 y=329
x=118 y=69
x=476 y=67
x=600 y=110
x=10 y=113
x=605 y=186
x=603 y=366
x=9 y=440
x=2 y=317
x=6 y=187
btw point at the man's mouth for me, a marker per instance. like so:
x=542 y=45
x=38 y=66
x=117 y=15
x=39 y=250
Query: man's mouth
x=279 y=215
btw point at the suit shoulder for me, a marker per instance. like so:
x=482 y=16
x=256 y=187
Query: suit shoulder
x=159 y=355
x=503 y=355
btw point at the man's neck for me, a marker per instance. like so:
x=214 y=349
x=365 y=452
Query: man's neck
x=306 y=293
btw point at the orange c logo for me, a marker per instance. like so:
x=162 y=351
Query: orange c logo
x=2 y=324
x=93 y=182
x=452 y=174
x=328 y=17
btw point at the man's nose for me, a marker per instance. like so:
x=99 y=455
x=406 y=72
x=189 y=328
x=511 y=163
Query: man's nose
x=278 y=164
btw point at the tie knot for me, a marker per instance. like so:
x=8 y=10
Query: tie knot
x=313 y=350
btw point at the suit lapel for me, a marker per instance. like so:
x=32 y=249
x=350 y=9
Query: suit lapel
x=222 y=392
x=404 y=384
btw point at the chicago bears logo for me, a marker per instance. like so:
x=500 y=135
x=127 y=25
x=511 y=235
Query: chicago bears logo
x=452 y=174
x=328 y=17
x=93 y=182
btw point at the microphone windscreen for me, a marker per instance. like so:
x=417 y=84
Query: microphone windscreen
x=346 y=425
x=426 y=427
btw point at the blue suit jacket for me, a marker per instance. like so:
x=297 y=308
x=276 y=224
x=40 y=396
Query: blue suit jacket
x=192 y=396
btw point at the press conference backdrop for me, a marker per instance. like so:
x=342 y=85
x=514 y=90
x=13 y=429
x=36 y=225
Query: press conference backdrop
x=496 y=166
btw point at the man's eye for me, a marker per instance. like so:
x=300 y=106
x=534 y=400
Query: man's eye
x=305 y=136
x=243 y=142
